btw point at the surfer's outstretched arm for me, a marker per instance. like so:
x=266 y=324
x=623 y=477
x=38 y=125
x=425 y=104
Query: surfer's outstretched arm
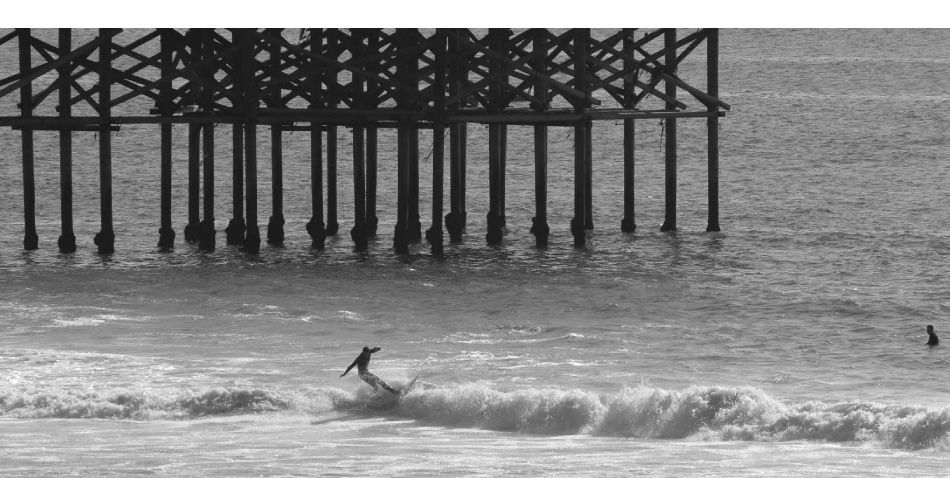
x=350 y=367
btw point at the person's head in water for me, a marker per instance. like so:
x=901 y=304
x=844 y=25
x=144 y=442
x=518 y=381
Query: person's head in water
x=366 y=349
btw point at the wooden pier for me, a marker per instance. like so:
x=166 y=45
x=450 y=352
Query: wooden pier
x=319 y=80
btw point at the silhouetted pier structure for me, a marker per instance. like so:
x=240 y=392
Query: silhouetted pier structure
x=365 y=79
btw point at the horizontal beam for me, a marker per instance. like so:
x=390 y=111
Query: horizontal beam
x=344 y=116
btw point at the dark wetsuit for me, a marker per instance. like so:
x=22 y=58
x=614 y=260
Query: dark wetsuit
x=362 y=366
x=933 y=339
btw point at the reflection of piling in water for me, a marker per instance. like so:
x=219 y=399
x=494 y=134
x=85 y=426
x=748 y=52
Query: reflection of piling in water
x=363 y=80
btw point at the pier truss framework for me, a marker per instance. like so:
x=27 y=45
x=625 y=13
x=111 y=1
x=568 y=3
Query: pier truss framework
x=318 y=80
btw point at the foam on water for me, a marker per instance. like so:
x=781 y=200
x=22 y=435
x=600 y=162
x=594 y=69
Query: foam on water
x=695 y=413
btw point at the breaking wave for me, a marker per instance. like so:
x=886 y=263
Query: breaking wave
x=696 y=413
x=139 y=405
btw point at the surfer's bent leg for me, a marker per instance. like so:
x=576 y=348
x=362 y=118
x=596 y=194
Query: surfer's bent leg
x=375 y=381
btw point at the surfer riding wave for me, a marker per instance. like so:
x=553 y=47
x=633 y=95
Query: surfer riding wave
x=362 y=366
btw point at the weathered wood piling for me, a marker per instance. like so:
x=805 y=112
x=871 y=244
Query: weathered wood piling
x=361 y=80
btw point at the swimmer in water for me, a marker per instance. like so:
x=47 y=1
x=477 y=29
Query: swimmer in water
x=933 y=337
x=362 y=366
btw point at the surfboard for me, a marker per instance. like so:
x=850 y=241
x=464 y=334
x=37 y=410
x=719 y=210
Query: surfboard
x=409 y=386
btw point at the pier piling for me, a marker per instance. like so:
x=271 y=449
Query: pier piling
x=539 y=223
x=669 y=224
x=712 y=128
x=31 y=240
x=206 y=231
x=166 y=108
x=105 y=239
x=275 y=226
x=67 y=239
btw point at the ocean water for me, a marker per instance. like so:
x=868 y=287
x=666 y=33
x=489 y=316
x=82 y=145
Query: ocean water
x=789 y=344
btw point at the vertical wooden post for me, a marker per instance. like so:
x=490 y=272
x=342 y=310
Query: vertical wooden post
x=275 y=227
x=252 y=240
x=434 y=233
x=404 y=75
x=333 y=226
x=105 y=239
x=628 y=224
x=358 y=232
x=166 y=234
x=194 y=183
x=30 y=239
x=502 y=170
x=192 y=229
x=455 y=219
x=372 y=181
x=207 y=231
x=589 y=173
x=236 y=226
x=316 y=227
x=578 y=223
x=669 y=224
x=372 y=154
x=712 y=127
x=67 y=240
x=539 y=223
x=415 y=223
x=494 y=218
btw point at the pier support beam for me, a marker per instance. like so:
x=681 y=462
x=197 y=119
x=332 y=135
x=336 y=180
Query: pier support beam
x=252 y=241
x=30 y=238
x=236 y=226
x=333 y=225
x=207 y=232
x=332 y=78
x=495 y=222
x=405 y=74
x=105 y=239
x=316 y=226
x=275 y=226
x=629 y=223
x=358 y=231
x=455 y=219
x=539 y=223
x=252 y=238
x=589 y=173
x=496 y=146
x=371 y=224
x=434 y=234
x=194 y=183
x=401 y=235
x=579 y=222
x=415 y=221
x=669 y=224
x=372 y=181
x=712 y=127
x=166 y=107
x=67 y=239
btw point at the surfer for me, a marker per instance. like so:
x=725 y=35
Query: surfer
x=933 y=337
x=362 y=366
